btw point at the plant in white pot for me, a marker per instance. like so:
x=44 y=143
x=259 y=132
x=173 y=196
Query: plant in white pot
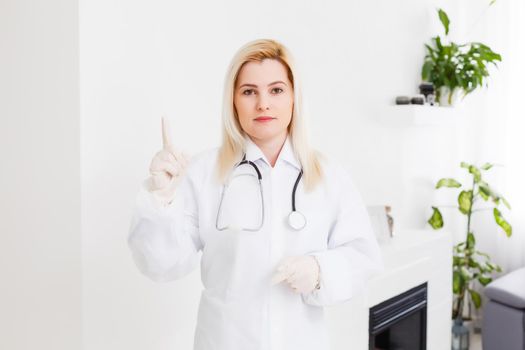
x=456 y=69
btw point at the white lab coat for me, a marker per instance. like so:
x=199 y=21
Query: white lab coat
x=239 y=309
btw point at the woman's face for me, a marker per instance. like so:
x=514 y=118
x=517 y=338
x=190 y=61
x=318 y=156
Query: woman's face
x=263 y=99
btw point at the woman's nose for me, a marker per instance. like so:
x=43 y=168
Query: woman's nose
x=263 y=102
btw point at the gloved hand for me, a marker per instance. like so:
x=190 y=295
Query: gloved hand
x=166 y=169
x=302 y=273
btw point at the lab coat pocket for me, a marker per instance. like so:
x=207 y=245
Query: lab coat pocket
x=218 y=259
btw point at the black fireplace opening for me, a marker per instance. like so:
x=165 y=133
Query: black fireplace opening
x=400 y=323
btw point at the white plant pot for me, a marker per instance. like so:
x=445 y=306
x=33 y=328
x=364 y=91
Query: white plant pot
x=445 y=99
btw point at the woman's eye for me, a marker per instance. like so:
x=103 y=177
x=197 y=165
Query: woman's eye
x=252 y=91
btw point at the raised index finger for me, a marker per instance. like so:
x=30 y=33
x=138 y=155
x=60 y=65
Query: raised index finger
x=280 y=276
x=166 y=143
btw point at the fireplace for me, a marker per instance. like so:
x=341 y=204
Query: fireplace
x=400 y=323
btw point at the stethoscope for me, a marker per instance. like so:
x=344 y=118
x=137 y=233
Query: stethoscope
x=296 y=219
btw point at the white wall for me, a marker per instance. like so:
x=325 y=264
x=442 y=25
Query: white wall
x=40 y=246
x=137 y=61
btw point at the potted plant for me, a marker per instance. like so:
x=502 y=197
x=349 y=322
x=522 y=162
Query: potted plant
x=469 y=264
x=453 y=68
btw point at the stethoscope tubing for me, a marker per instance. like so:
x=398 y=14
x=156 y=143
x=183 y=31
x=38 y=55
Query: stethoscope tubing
x=293 y=215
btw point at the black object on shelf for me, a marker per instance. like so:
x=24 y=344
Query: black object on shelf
x=426 y=89
x=402 y=100
x=418 y=100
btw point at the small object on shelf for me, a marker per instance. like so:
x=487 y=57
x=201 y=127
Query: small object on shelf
x=390 y=220
x=418 y=100
x=380 y=221
x=426 y=89
x=431 y=99
x=402 y=100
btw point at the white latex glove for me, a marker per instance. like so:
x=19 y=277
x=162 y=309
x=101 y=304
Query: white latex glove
x=301 y=272
x=166 y=169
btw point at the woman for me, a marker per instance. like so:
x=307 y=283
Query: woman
x=275 y=251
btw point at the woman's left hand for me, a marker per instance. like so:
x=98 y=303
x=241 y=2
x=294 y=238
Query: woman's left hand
x=301 y=272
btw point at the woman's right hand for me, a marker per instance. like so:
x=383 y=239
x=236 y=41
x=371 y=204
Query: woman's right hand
x=166 y=168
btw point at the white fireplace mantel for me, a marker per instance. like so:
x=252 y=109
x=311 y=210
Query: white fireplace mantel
x=411 y=257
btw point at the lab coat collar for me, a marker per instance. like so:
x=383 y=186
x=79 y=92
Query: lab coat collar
x=253 y=153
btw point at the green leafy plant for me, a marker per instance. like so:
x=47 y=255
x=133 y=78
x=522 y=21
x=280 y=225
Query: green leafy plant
x=469 y=264
x=456 y=66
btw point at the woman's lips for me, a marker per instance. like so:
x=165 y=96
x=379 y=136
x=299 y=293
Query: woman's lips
x=264 y=119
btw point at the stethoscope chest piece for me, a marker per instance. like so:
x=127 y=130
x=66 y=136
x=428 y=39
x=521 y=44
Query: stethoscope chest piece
x=296 y=220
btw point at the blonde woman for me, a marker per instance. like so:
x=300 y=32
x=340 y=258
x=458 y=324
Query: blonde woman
x=279 y=231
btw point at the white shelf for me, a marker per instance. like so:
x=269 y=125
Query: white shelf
x=418 y=115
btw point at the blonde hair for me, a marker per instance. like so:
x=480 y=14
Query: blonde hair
x=233 y=147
